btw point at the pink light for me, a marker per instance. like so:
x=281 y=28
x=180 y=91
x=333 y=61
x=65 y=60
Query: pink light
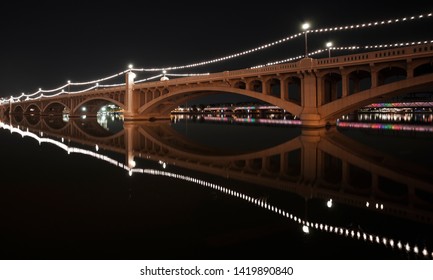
x=386 y=126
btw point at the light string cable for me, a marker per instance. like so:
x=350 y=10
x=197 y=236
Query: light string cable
x=61 y=90
x=306 y=225
x=286 y=39
x=262 y=47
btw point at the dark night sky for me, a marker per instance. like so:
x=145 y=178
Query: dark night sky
x=46 y=45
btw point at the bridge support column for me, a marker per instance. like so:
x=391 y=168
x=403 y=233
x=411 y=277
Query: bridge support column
x=345 y=85
x=409 y=69
x=130 y=102
x=374 y=78
x=284 y=93
x=310 y=116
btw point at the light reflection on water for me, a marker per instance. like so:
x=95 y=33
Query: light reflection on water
x=314 y=166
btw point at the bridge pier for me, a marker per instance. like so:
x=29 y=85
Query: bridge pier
x=311 y=96
x=312 y=120
x=130 y=100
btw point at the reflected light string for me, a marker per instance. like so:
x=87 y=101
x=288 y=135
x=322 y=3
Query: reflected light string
x=305 y=224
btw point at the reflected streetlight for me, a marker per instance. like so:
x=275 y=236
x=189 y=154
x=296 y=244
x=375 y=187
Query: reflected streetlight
x=305 y=27
x=329 y=45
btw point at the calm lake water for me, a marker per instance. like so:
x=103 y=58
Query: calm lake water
x=216 y=187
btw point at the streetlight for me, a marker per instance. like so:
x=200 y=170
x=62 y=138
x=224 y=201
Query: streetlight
x=329 y=45
x=305 y=27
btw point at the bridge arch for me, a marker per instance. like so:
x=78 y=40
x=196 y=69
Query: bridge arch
x=391 y=73
x=332 y=82
x=256 y=85
x=273 y=86
x=332 y=111
x=291 y=89
x=359 y=80
x=240 y=85
x=18 y=109
x=163 y=105
x=422 y=68
x=54 y=107
x=165 y=91
x=32 y=109
x=96 y=103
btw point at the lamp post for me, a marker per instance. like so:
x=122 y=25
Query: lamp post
x=305 y=27
x=329 y=45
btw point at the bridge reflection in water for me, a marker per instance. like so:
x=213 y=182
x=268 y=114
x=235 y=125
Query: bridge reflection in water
x=316 y=165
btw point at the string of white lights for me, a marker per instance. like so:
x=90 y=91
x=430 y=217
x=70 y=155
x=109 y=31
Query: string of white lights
x=148 y=79
x=262 y=47
x=306 y=225
x=187 y=75
x=28 y=97
x=367 y=47
x=371 y=24
x=113 y=85
x=319 y=51
x=283 y=40
x=99 y=80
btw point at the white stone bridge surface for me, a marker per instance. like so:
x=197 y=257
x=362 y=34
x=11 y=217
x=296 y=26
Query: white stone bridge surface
x=318 y=91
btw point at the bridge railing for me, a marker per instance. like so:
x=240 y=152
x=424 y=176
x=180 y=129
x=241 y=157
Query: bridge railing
x=298 y=66
x=227 y=75
x=377 y=55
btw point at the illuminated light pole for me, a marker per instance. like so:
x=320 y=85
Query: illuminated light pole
x=329 y=45
x=164 y=77
x=305 y=27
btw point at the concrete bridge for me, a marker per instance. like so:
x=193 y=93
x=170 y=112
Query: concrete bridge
x=317 y=164
x=318 y=91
